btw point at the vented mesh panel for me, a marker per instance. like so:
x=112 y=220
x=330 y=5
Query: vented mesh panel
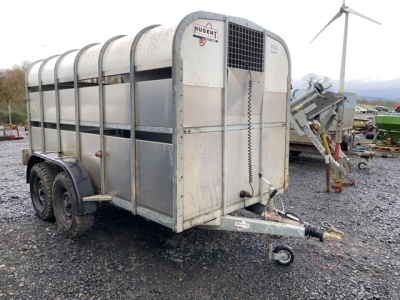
x=245 y=48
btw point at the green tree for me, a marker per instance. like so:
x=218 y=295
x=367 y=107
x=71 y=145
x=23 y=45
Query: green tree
x=12 y=87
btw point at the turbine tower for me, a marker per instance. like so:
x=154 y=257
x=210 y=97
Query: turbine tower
x=346 y=10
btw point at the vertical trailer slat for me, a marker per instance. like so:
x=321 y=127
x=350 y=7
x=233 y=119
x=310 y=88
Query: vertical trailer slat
x=288 y=113
x=77 y=102
x=177 y=139
x=224 y=118
x=28 y=109
x=262 y=121
x=57 y=99
x=132 y=106
x=41 y=101
x=101 y=113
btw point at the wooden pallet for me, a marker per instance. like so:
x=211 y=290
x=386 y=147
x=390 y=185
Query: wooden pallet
x=384 y=148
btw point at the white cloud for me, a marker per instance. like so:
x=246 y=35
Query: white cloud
x=33 y=30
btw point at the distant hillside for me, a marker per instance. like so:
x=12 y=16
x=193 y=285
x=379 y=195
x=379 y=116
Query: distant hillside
x=376 y=90
x=378 y=98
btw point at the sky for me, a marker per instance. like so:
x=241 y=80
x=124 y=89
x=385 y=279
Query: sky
x=32 y=30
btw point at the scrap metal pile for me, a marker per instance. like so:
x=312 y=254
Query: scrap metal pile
x=9 y=132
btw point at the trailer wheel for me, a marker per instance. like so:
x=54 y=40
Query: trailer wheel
x=65 y=208
x=286 y=253
x=294 y=153
x=41 y=185
x=346 y=144
x=370 y=136
x=362 y=165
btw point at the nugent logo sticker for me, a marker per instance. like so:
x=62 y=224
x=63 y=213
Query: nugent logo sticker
x=205 y=33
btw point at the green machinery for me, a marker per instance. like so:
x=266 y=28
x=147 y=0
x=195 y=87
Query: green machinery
x=389 y=129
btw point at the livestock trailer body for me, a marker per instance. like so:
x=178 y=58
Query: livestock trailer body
x=160 y=120
x=182 y=125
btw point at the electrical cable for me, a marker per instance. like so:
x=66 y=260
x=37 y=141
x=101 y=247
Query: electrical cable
x=314 y=260
x=319 y=265
x=292 y=216
x=249 y=156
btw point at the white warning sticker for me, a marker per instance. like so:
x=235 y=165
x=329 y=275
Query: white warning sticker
x=242 y=225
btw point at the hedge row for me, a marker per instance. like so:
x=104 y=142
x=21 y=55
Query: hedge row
x=17 y=117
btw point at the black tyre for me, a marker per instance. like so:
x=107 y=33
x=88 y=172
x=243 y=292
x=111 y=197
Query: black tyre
x=41 y=185
x=370 y=136
x=287 y=252
x=346 y=144
x=294 y=153
x=65 y=208
x=362 y=165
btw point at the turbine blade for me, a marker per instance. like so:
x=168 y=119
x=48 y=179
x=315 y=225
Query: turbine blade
x=333 y=19
x=352 y=11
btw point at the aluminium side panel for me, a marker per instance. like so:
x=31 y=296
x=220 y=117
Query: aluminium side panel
x=47 y=75
x=203 y=65
x=90 y=144
x=51 y=140
x=116 y=58
x=34 y=103
x=154 y=49
x=203 y=106
x=239 y=95
x=277 y=114
x=154 y=105
x=155 y=177
x=155 y=152
x=117 y=104
x=199 y=175
x=203 y=174
x=278 y=64
x=32 y=78
x=67 y=105
x=118 y=167
x=66 y=67
x=89 y=104
x=49 y=106
x=88 y=63
x=275 y=166
x=237 y=169
x=68 y=143
x=276 y=107
x=215 y=158
x=36 y=133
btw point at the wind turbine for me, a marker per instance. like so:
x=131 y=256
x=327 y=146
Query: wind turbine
x=344 y=10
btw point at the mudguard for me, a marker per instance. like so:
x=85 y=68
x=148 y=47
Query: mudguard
x=76 y=171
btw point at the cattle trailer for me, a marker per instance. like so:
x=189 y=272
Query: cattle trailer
x=182 y=125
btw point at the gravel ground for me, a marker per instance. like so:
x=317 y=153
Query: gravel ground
x=126 y=257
